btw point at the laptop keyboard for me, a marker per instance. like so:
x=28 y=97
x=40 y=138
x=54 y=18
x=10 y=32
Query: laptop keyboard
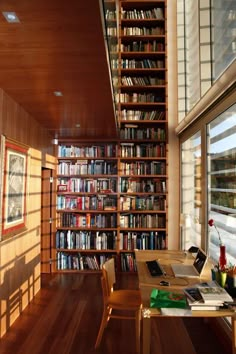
x=186 y=270
x=155 y=269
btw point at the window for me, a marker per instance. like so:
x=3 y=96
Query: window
x=223 y=31
x=221 y=162
x=191 y=191
x=206 y=32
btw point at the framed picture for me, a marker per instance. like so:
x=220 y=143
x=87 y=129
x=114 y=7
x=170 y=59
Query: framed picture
x=62 y=188
x=14 y=188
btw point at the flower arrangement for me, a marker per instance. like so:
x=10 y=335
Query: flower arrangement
x=222 y=258
x=211 y=223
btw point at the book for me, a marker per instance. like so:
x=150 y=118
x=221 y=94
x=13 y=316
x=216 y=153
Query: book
x=193 y=294
x=201 y=306
x=214 y=294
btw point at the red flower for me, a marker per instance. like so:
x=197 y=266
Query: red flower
x=211 y=223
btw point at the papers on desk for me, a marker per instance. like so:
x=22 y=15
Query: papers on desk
x=175 y=312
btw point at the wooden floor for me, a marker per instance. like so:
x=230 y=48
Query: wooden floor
x=65 y=315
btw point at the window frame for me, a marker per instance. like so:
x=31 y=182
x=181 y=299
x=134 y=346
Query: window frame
x=200 y=124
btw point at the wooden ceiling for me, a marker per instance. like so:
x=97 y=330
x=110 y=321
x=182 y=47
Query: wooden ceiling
x=58 y=46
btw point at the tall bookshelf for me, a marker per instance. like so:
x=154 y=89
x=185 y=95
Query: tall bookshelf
x=142 y=116
x=112 y=196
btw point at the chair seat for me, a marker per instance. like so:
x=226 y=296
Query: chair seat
x=125 y=299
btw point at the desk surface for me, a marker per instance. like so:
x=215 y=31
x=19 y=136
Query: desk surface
x=165 y=258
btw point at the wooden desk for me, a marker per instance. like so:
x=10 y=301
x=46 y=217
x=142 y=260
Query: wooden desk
x=147 y=283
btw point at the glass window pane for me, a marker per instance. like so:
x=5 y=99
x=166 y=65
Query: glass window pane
x=191 y=191
x=222 y=183
x=223 y=17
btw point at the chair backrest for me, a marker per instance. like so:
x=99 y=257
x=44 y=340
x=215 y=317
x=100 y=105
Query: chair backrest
x=108 y=276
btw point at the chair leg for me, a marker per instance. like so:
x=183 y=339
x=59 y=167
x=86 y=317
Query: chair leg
x=109 y=314
x=105 y=317
x=137 y=329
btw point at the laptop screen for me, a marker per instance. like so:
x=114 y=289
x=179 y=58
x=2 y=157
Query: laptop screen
x=200 y=261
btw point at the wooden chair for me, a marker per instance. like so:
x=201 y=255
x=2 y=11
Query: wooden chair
x=124 y=302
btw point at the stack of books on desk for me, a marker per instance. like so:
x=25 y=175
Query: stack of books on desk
x=207 y=296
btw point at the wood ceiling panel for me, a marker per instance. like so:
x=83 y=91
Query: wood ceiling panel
x=58 y=46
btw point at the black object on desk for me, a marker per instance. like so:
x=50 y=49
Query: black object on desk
x=193 y=249
x=155 y=268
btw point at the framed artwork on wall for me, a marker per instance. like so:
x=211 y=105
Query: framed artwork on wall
x=14 y=177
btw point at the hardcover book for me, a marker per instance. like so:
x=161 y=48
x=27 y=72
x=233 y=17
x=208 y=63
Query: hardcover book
x=201 y=306
x=214 y=294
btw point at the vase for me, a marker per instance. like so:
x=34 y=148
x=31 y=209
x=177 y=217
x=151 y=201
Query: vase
x=222 y=258
x=221 y=278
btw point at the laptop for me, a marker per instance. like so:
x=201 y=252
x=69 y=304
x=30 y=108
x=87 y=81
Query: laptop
x=191 y=270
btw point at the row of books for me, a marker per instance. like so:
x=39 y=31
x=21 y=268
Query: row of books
x=86 y=167
x=143 y=203
x=111 y=31
x=207 y=296
x=128 y=262
x=87 y=220
x=143 y=31
x=136 y=97
x=78 y=261
x=136 y=14
x=143 y=168
x=110 y=15
x=141 y=81
x=140 y=185
x=141 y=46
x=91 y=240
x=139 y=64
x=142 y=221
x=100 y=202
x=85 y=240
x=108 y=150
x=142 y=240
x=110 y=203
x=143 y=150
x=88 y=185
x=135 y=132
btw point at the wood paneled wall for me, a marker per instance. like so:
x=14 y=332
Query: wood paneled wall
x=20 y=255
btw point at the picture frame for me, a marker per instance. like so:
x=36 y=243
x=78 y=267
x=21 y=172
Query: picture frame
x=62 y=188
x=14 y=175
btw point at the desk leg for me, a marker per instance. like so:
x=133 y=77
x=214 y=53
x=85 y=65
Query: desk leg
x=234 y=334
x=146 y=334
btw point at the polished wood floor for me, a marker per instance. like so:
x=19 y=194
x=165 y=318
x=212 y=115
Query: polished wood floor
x=65 y=315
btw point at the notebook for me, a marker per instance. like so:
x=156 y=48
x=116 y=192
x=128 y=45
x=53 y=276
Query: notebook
x=191 y=270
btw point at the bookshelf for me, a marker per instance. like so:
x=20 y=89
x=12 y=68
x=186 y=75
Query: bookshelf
x=87 y=185
x=112 y=196
x=142 y=116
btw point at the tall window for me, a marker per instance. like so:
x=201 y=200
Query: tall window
x=206 y=34
x=222 y=183
x=191 y=191
x=223 y=31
